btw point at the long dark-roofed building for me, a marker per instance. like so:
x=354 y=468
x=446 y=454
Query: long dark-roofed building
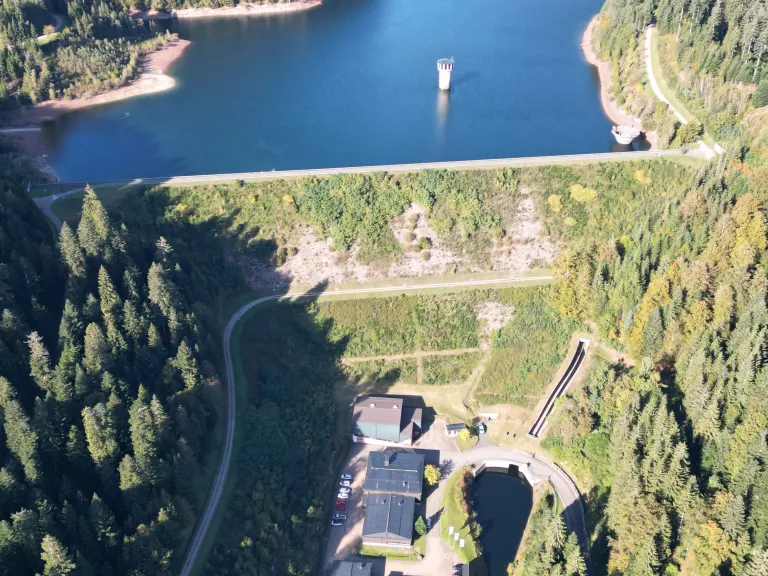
x=395 y=472
x=388 y=520
x=353 y=568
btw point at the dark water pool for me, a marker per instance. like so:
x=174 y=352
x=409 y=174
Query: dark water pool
x=503 y=503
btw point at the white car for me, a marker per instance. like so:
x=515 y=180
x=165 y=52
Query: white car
x=343 y=495
x=346 y=476
x=345 y=483
x=345 y=490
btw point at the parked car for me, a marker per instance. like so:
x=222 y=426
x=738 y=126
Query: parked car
x=429 y=523
x=339 y=516
x=335 y=523
x=341 y=503
x=340 y=508
x=346 y=476
x=345 y=489
x=342 y=495
x=344 y=483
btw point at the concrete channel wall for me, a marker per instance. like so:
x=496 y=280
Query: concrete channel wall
x=560 y=388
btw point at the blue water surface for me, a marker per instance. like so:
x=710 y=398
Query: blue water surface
x=351 y=83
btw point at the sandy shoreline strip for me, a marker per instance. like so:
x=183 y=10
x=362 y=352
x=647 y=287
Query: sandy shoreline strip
x=242 y=9
x=605 y=70
x=152 y=79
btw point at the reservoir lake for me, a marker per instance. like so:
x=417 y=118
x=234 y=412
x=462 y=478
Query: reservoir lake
x=352 y=83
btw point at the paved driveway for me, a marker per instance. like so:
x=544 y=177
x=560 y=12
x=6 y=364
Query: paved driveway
x=343 y=540
x=437 y=448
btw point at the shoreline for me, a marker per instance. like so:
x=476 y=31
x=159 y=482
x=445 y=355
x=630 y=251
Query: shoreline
x=152 y=79
x=242 y=9
x=605 y=72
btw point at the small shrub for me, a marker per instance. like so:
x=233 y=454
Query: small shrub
x=280 y=256
x=582 y=194
x=426 y=255
x=431 y=474
x=425 y=243
x=688 y=133
x=420 y=527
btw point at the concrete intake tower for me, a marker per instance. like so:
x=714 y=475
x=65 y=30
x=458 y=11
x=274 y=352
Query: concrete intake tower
x=444 y=68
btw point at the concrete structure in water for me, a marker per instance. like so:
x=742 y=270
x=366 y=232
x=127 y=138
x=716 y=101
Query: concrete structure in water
x=444 y=69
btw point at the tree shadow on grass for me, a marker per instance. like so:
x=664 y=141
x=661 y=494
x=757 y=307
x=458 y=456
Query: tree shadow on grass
x=288 y=444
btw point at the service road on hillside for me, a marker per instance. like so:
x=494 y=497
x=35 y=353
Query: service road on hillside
x=221 y=476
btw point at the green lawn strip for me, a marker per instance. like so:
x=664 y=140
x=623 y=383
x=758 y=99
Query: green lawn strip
x=68 y=209
x=454 y=516
x=468 y=444
x=687 y=161
x=439 y=370
x=668 y=93
x=412 y=554
x=399 y=325
x=526 y=355
x=241 y=400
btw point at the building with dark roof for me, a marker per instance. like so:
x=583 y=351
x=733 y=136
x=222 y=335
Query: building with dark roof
x=384 y=419
x=388 y=520
x=395 y=472
x=353 y=568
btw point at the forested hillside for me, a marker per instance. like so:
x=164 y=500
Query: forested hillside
x=105 y=396
x=100 y=47
x=713 y=53
x=675 y=449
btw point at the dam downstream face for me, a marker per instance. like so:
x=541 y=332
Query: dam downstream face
x=503 y=504
x=351 y=83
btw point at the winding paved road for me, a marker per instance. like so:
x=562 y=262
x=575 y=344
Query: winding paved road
x=705 y=150
x=566 y=490
x=221 y=476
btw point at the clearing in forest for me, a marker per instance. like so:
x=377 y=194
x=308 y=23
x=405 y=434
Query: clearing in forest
x=457 y=352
